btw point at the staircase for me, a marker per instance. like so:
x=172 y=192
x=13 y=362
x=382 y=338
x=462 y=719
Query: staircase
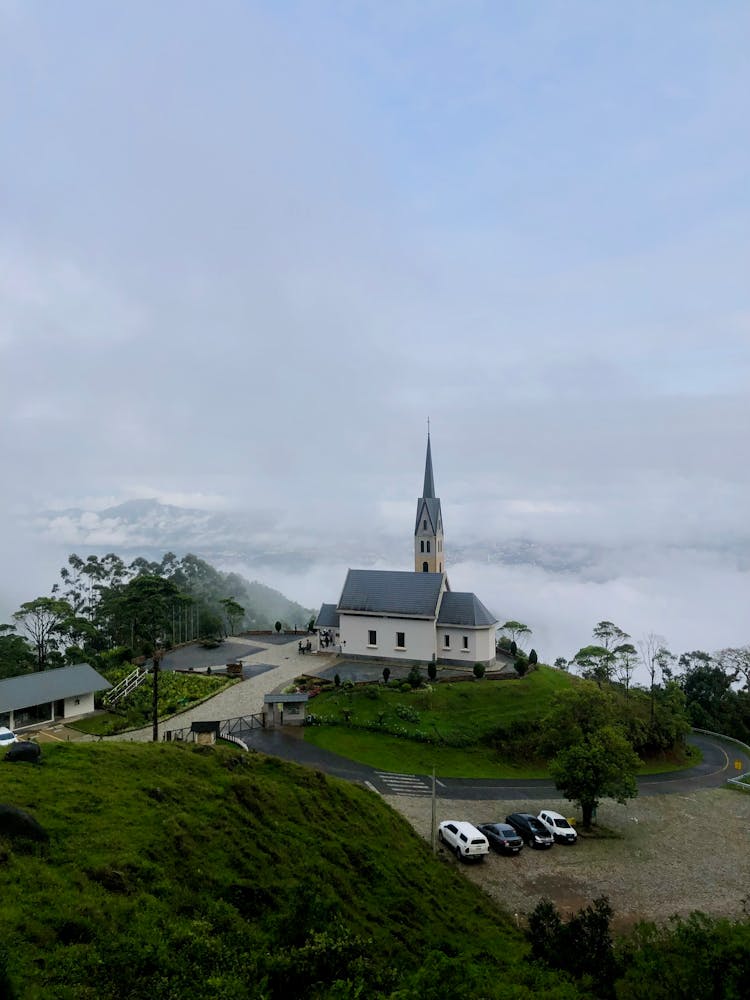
x=126 y=685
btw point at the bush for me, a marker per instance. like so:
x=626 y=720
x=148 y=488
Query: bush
x=432 y=671
x=277 y=626
x=521 y=664
x=479 y=671
x=414 y=677
x=337 y=680
x=386 y=674
x=404 y=687
x=407 y=713
x=533 y=658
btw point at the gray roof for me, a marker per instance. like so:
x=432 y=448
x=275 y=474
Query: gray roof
x=465 y=609
x=432 y=507
x=327 y=617
x=284 y=699
x=391 y=592
x=50 y=685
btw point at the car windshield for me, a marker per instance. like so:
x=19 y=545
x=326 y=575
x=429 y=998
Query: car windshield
x=537 y=827
x=6 y=735
x=479 y=840
x=507 y=831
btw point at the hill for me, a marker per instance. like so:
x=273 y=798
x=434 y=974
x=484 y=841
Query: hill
x=175 y=871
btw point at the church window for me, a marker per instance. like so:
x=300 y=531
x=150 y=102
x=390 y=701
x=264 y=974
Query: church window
x=428 y=545
x=447 y=641
x=425 y=568
x=372 y=637
x=440 y=568
x=466 y=642
x=421 y=546
x=400 y=640
x=424 y=525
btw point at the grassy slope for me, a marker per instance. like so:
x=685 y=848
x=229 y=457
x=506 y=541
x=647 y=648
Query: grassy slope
x=177 y=871
x=470 y=709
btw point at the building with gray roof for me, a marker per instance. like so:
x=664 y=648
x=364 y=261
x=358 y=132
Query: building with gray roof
x=49 y=695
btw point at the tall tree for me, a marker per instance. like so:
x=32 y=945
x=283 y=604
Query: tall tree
x=595 y=663
x=15 y=654
x=45 y=620
x=515 y=631
x=654 y=654
x=234 y=612
x=735 y=662
x=625 y=662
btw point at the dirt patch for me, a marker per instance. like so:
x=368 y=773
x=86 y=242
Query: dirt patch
x=669 y=854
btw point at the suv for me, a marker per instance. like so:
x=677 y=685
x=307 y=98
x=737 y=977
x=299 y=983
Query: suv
x=534 y=833
x=558 y=826
x=464 y=839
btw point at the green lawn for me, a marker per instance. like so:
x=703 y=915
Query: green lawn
x=465 y=713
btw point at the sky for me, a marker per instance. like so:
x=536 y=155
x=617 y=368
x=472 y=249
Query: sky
x=247 y=249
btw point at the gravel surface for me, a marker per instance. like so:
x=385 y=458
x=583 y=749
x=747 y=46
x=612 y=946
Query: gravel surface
x=667 y=854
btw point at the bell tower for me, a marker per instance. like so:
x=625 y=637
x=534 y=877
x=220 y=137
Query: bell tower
x=428 y=530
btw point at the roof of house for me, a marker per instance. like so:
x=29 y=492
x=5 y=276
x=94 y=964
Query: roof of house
x=466 y=609
x=327 y=617
x=378 y=591
x=285 y=699
x=50 y=685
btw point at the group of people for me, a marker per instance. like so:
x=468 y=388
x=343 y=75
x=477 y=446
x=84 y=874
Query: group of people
x=326 y=638
x=304 y=647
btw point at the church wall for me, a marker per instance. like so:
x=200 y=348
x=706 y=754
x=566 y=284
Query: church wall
x=419 y=637
x=480 y=645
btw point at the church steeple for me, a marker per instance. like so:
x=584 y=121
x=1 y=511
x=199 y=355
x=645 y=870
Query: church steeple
x=428 y=530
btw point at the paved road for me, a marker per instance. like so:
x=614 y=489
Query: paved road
x=713 y=771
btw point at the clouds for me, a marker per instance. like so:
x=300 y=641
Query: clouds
x=246 y=252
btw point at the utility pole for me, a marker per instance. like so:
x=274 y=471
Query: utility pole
x=432 y=833
x=156 y=659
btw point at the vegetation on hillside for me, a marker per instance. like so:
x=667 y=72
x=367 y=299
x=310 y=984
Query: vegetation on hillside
x=102 y=605
x=176 y=871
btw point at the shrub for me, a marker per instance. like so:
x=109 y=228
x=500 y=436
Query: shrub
x=479 y=671
x=521 y=664
x=404 y=687
x=407 y=713
x=533 y=658
x=386 y=674
x=337 y=680
x=432 y=671
x=277 y=626
x=414 y=677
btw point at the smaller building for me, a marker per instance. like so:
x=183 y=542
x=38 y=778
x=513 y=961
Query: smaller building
x=49 y=695
x=285 y=709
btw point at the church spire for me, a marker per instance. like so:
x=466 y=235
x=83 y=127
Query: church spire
x=429 y=482
x=428 y=530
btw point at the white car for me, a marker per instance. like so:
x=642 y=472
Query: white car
x=558 y=826
x=464 y=839
x=7 y=736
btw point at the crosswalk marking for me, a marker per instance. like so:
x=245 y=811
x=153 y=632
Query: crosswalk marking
x=404 y=784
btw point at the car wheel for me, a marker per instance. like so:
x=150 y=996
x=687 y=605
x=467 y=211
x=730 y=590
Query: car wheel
x=441 y=838
x=457 y=849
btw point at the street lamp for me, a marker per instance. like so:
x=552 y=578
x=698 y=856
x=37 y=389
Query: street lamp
x=156 y=659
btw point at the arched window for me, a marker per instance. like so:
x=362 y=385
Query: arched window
x=421 y=546
x=428 y=546
x=424 y=525
x=425 y=568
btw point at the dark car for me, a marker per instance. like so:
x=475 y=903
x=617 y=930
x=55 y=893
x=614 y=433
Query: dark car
x=502 y=837
x=533 y=832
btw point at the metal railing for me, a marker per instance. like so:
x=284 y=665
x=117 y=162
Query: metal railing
x=126 y=685
x=227 y=729
x=740 y=781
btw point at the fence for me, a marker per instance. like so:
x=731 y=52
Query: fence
x=227 y=729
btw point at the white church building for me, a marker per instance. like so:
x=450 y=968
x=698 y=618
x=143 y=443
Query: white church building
x=412 y=616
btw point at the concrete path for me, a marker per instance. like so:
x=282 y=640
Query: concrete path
x=282 y=662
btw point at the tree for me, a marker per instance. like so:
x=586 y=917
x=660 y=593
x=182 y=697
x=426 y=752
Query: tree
x=602 y=765
x=515 y=631
x=735 y=662
x=653 y=649
x=45 y=620
x=533 y=658
x=609 y=635
x=625 y=662
x=595 y=663
x=277 y=626
x=576 y=713
x=561 y=663
x=234 y=612
x=15 y=655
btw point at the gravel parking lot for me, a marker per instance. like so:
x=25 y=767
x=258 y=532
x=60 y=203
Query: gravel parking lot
x=668 y=854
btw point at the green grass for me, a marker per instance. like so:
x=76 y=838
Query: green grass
x=96 y=725
x=176 y=871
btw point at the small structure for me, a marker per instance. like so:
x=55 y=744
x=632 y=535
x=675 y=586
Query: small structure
x=285 y=709
x=205 y=732
x=48 y=695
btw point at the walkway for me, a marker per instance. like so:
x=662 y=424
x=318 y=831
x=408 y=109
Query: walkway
x=280 y=665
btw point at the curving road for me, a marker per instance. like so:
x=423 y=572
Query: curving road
x=716 y=767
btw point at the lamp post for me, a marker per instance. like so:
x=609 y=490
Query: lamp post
x=156 y=658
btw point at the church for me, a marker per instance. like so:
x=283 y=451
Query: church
x=412 y=616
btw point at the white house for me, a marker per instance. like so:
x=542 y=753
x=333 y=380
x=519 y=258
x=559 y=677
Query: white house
x=48 y=695
x=413 y=616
